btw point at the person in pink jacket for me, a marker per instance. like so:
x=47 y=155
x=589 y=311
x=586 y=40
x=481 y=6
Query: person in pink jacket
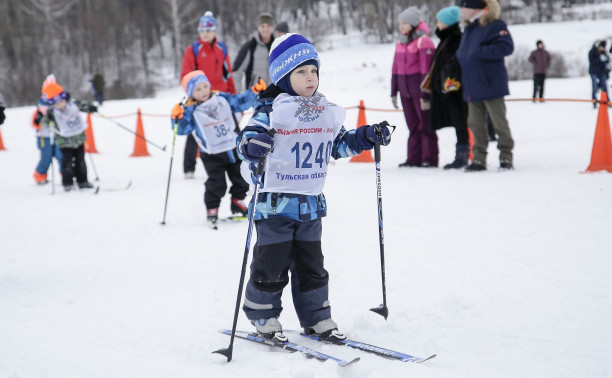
x=413 y=55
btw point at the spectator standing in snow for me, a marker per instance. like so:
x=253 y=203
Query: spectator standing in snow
x=66 y=122
x=599 y=69
x=281 y=29
x=251 y=63
x=485 y=43
x=209 y=55
x=2 y=107
x=447 y=105
x=97 y=84
x=289 y=211
x=210 y=119
x=413 y=55
x=540 y=59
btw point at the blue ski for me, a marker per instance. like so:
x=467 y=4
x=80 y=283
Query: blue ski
x=373 y=349
x=289 y=346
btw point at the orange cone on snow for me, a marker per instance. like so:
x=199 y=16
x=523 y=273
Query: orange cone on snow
x=140 y=146
x=365 y=156
x=471 y=136
x=90 y=144
x=1 y=143
x=601 y=156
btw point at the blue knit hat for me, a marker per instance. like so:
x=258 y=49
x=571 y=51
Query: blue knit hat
x=449 y=15
x=207 y=22
x=288 y=52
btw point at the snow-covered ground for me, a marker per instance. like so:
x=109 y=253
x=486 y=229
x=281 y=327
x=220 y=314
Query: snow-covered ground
x=502 y=274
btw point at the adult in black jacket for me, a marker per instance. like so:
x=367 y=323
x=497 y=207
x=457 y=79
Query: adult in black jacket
x=447 y=105
x=252 y=60
x=599 y=69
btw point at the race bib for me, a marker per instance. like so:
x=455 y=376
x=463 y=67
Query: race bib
x=69 y=120
x=216 y=124
x=306 y=128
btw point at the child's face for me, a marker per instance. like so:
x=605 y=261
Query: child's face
x=202 y=91
x=404 y=27
x=440 y=25
x=60 y=105
x=304 y=80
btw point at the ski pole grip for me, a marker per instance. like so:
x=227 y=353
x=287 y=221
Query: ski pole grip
x=262 y=162
x=377 y=153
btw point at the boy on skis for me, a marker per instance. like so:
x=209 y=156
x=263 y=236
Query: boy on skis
x=290 y=206
x=48 y=151
x=66 y=122
x=209 y=118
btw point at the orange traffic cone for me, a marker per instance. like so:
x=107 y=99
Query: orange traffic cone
x=601 y=156
x=140 y=146
x=90 y=144
x=365 y=156
x=471 y=136
x=1 y=143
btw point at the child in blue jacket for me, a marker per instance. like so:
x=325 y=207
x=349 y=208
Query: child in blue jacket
x=309 y=132
x=209 y=118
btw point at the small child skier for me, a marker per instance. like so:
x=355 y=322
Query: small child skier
x=68 y=125
x=209 y=118
x=48 y=151
x=290 y=206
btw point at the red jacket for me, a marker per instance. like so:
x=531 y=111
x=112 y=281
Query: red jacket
x=210 y=59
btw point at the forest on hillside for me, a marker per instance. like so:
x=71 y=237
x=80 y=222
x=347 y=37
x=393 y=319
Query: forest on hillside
x=138 y=45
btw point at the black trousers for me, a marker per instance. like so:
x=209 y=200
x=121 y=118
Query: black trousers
x=190 y=155
x=73 y=165
x=538 y=84
x=216 y=166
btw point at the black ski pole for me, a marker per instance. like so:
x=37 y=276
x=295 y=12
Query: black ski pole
x=382 y=309
x=93 y=166
x=227 y=352
x=52 y=143
x=170 y=170
x=128 y=129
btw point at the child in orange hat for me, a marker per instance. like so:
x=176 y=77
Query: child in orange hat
x=66 y=122
x=209 y=118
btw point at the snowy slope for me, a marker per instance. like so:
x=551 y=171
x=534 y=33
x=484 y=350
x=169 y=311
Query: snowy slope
x=500 y=274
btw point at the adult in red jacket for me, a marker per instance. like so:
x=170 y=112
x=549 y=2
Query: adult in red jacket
x=208 y=55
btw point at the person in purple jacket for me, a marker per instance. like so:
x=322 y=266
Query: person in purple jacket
x=413 y=55
x=484 y=45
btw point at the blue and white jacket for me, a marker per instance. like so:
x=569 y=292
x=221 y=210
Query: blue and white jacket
x=212 y=123
x=295 y=205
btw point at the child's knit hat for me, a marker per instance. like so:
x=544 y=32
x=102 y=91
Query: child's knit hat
x=449 y=15
x=410 y=16
x=53 y=93
x=288 y=52
x=191 y=80
x=207 y=22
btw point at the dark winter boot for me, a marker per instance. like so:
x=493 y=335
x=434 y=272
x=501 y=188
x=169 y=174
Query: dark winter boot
x=212 y=216
x=85 y=185
x=462 y=155
x=239 y=207
x=476 y=166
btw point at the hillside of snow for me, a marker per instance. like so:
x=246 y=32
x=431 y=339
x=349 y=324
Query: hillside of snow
x=501 y=274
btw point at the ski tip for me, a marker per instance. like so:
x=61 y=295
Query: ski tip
x=97 y=189
x=129 y=185
x=345 y=363
x=428 y=358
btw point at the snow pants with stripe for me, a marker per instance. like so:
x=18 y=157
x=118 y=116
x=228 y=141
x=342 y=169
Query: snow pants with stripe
x=288 y=246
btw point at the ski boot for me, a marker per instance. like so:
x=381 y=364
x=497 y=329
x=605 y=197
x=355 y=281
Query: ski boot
x=327 y=330
x=212 y=216
x=239 y=207
x=270 y=329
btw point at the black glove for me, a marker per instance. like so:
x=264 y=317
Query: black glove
x=2 y=116
x=92 y=109
x=50 y=115
x=379 y=133
x=260 y=145
x=38 y=118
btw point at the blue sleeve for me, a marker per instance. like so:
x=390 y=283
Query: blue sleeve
x=497 y=43
x=241 y=101
x=350 y=143
x=186 y=124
